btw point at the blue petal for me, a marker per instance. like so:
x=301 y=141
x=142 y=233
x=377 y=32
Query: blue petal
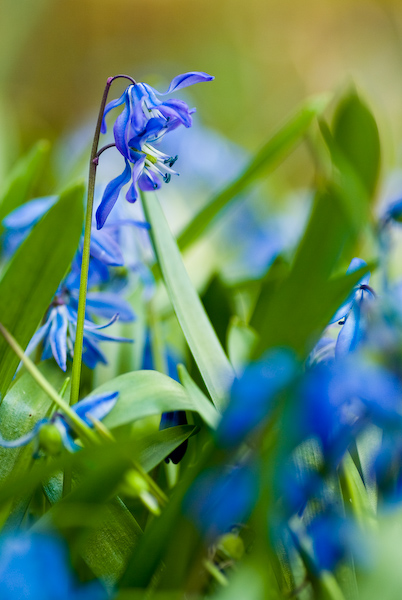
x=176 y=109
x=120 y=131
x=186 y=79
x=105 y=249
x=355 y=265
x=111 y=105
x=58 y=338
x=107 y=304
x=96 y=406
x=149 y=182
x=110 y=196
x=29 y=213
x=351 y=332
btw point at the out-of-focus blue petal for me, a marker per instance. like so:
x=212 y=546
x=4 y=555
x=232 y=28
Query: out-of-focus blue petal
x=350 y=334
x=355 y=265
x=253 y=394
x=220 y=499
x=342 y=311
x=186 y=79
x=110 y=195
x=29 y=213
x=107 y=304
x=111 y=105
x=35 y=566
x=394 y=211
x=105 y=249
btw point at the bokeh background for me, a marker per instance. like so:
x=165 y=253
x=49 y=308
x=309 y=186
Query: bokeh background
x=267 y=55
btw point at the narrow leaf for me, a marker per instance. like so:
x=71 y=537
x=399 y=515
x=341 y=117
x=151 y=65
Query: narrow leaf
x=197 y=329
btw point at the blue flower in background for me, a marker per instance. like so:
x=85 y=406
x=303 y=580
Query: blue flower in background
x=352 y=315
x=36 y=566
x=144 y=121
x=92 y=408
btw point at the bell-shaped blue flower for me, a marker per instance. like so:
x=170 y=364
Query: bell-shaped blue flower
x=144 y=121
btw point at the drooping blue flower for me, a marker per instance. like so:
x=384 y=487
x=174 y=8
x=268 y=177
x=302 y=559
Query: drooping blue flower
x=36 y=566
x=352 y=315
x=145 y=120
x=93 y=407
x=57 y=334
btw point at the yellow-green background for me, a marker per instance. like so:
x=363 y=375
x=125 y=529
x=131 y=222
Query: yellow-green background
x=55 y=56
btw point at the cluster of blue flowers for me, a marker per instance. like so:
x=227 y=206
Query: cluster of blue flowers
x=350 y=385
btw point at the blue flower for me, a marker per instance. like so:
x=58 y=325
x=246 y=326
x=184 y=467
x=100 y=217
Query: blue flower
x=145 y=120
x=352 y=315
x=57 y=334
x=36 y=566
x=94 y=407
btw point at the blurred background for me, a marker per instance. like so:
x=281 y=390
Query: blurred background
x=266 y=55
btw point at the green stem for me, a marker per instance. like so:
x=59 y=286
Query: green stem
x=93 y=163
x=78 y=424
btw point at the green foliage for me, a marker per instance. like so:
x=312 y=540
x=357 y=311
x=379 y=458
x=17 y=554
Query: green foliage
x=200 y=336
x=29 y=281
x=20 y=183
x=272 y=153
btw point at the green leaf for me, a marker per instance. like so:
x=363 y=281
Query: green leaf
x=197 y=329
x=31 y=278
x=154 y=448
x=356 y=135
x=204 y=406
x=270 y=155
x=18 y=186
x=241 y=340
x=146 y=393
x=359 y=499
x=24 y=405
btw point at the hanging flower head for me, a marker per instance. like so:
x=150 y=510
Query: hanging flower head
x=145 y=120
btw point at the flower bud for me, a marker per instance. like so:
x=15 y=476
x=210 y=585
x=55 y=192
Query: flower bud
x=50 y=440
x=232 y=545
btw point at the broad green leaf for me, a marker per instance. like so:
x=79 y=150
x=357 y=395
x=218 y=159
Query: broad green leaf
x=197 y=329
x=31 y=278
x=101 y=530
x=205 y=407
x=146 y=393
x=18 y=186
x=270 y=155
x=356 y=135
x=24 y=405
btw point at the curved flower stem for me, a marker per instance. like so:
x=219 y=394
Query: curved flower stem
x=77 y=423
x=93 y=163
